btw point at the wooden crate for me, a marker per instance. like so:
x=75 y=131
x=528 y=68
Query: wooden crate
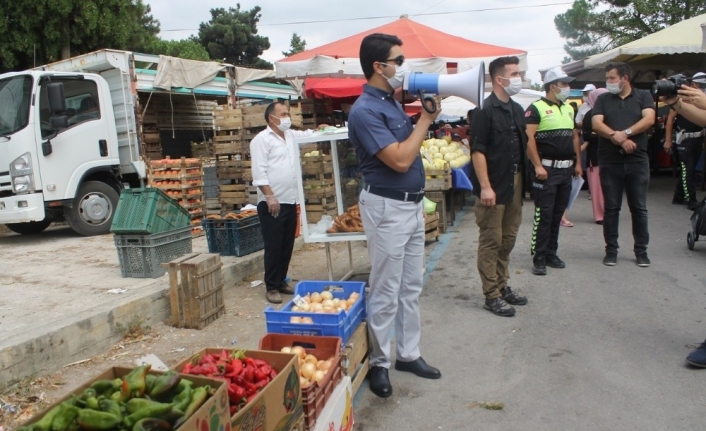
x=315 y=216
x=440 y=198
x=319 y=193
x=227 y=118
x=196 y=290
x=202 y=150
x=355 y=359
x=431 y=227
x=438 y=179
x=317 y=165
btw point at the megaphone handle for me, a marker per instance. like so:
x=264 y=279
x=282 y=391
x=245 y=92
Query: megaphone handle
x=427 y=99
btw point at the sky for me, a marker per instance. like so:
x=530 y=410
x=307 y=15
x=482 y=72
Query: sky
x=522 y=27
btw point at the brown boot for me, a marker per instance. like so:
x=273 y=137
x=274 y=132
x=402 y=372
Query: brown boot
x=286 y=289
x=273 y=297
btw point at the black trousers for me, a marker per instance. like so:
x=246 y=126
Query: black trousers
x=278 y=234
x=687 y=156
x=551 y=198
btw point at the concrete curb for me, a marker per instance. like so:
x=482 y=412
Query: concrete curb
x=79 y=337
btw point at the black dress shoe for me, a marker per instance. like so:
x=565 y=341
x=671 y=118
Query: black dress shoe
x=540 y=266
x=418 y=367
x=380 y=382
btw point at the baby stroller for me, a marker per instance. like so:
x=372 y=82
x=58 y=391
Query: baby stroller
x=698 y=225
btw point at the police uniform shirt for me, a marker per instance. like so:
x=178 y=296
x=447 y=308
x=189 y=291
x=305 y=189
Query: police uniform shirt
x=620 y=114
x=554 y=135
x=681 y=123
x=376 y=121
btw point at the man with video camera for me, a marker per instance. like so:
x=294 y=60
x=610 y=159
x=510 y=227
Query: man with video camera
x=688 y=140
x=691 y=104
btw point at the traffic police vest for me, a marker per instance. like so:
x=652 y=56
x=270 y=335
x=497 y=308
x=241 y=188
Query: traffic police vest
x=555 y=130
x=554 y=117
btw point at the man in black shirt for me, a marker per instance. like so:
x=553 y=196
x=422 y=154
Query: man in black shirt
x=621 y=120
x=499 y=142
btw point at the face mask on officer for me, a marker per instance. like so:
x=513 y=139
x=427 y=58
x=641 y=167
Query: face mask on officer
x=563 y=94
x=514 y=86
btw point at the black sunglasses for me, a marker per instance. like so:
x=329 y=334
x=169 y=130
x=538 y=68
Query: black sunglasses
x=399 y=60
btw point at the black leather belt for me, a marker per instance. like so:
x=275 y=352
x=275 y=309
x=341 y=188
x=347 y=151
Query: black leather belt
x=515 y=168
x=396 y=194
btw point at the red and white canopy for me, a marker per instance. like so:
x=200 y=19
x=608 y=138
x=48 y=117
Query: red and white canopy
x=426 y=50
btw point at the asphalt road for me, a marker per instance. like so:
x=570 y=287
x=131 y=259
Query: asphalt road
x=596 y=348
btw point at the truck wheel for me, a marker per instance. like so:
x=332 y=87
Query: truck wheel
x=29 y=228
x=93 y=209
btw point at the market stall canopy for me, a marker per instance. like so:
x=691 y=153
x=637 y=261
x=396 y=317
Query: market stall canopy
x=174 y=72
x=333 y=87
x=426 y=49
x=675 y=49
x=453 y=108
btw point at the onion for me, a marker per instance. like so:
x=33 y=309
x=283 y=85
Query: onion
x=286 y=350
x=336 y=302
x=327 y=303
x=295 y=319
x=299 y=351
x=305 y=307
x=323 y=365
x=296 y=308
x=311 y=359
x=307 y=298
x=351 y=301
x=339 y=309
x=318 y=376
x=316 y=307
x=326 y=295
x=304 y=382
x=316 y=297
x=355 y=295
x=308 y=320
x=307 y=370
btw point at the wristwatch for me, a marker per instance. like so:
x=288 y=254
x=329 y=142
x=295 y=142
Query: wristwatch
x=628 y=132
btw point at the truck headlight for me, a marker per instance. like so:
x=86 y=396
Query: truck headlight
x=21 y=174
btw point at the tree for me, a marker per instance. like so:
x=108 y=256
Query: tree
x=593 y=26
x=231 y=36
x=186 y=48
x=296 y=45
x=536 y=86
x=39 y=32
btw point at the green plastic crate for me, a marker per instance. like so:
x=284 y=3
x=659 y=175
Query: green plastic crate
x=148 y=211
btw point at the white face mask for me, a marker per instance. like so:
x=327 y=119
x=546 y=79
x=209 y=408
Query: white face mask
x=585 y=99
x=514 y=87
x=613 y=87
x=563 y=94
x=284 y=123
x=400 y=74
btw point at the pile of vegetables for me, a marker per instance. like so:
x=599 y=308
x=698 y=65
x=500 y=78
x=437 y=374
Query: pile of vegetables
x=322 y=302
x=443 y=154
x=311 y=369
x=244 y=376
x=136 y=402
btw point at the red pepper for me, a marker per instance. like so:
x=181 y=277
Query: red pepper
x=273 y=374
x=236 y=368
x=235 y=393
x=204 y=370
x=260 y=374
x=225 y=356
x=252 y=397
x=249 y=387
x=233 y=410
x=260 y=363
x=187 y=368
x=207 y=359
x=261 y=384
x=248 y=374
x=250 y=362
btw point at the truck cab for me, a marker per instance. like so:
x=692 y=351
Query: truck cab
x=59 y=155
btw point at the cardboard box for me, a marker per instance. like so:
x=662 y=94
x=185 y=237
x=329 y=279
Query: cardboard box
x=278 y=407
x=211 y=416
x=338 y=413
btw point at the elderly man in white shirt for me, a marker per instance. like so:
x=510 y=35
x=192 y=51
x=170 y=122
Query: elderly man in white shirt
x=274 y=158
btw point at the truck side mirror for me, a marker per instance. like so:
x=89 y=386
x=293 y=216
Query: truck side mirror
x=55 y=93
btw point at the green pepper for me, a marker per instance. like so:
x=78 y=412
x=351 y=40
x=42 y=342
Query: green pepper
x=165 y=383
x=150 y=380
x=111 y=407
x=197 y=399
x=134 y=383
x=87 y=393
x=92 y=403
x=136 y=404
x=64 y=417
x=117 y=396
x=155 y=411
x=150 y=424
x=44 y=424
x=96 y=420
x=101 y=386
x=183 y=398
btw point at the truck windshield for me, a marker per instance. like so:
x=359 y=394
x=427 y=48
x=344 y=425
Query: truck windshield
x=15 y=98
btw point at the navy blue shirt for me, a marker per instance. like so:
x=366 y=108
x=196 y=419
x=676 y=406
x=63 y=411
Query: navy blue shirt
x=375 y=121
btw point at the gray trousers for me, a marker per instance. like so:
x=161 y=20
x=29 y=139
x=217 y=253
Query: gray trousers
x=395 y=234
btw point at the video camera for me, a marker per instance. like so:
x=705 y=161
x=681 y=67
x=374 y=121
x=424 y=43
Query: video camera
x=669 y=87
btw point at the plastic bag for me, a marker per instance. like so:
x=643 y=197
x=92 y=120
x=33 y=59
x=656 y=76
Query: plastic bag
x=320 y=228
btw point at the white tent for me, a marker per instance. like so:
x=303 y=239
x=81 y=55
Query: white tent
x=675 y=49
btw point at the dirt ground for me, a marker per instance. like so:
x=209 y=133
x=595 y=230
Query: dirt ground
x=241 y=327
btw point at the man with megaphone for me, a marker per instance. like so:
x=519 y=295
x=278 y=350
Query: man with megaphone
x=387 y=147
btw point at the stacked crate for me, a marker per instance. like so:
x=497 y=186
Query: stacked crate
x=151 y=142
x=319 y=186
x=182 y=180
x=202 y=150
x=313 y=112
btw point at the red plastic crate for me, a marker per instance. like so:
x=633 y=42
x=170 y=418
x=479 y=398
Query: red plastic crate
x=314 y=397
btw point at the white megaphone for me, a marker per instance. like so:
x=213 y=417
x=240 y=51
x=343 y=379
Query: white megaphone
x=469 y=85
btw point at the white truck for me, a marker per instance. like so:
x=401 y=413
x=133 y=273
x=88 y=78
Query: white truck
x=71 y=136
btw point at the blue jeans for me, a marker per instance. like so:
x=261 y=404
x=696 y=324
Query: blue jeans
x=633 y=178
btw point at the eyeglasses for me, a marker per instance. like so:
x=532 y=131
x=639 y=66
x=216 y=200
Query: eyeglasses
x=399 y=60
